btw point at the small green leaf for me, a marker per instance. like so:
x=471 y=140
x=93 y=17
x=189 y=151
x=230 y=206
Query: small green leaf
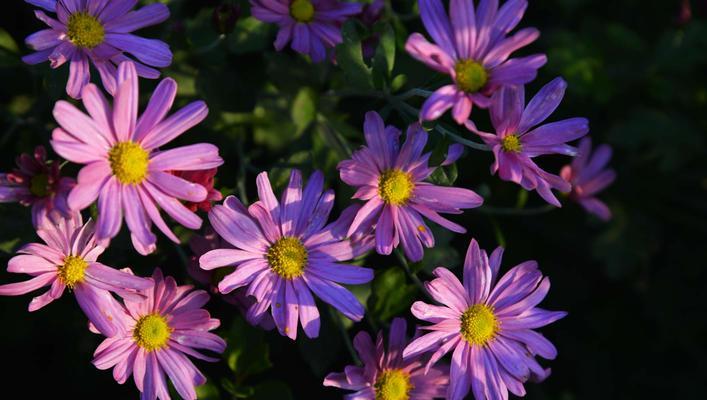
x=247 y=351
x=384 y=59
x=391 y=294
x=7 y=42
x=350 y=58
x=304 y=109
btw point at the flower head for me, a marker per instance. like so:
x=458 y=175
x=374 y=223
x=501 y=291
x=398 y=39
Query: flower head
x=313 y=26
x=156 y=334
x=588 y=176
x=390 y=179
x=204 y=178
x=519 y=137
x=488 y=324
x=69 y=260
x=472 y=47
x=37 y=182
x=125 y=169
x=99 y=31
x=385 y=375
x=283 y=251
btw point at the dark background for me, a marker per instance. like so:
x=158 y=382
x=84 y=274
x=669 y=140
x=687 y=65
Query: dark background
x=634 y=287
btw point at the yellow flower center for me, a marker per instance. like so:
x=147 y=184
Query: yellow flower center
x=511 y=143
x=393 y=384
x=287 y=257
x=39 y=185
x=302 y=10
x=84 y=30
x=72 y=272
x=395 y=186
x=152 y=332
x=129 y=162
x=471 y=76
x=478 y=324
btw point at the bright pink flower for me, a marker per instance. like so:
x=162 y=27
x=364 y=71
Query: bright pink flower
x=125 y=168
x=588 y=177
x=204 y=178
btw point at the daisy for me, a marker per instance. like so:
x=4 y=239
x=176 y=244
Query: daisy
x=37 y=182
x=283 y=251
x=473 y=49
x=313 y=26
x=488 y=325
x=99 y=31
x=390 y=179
x=385 y=375
x=124 y=167
x=204 y=178
x=156 y=335
x=519 y=137
x=68 y=260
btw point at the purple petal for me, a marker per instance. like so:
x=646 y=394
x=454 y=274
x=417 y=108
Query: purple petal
x=176 y=124
x=150 y=51
x=543 y=104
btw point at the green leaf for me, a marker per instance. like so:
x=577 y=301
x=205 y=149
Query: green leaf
x=350 y=57
x=247 y=351
x=7 y=42
x=391 y=294
x=304 y=109
x=384 y=59
x=249 y=36
x=272 y=389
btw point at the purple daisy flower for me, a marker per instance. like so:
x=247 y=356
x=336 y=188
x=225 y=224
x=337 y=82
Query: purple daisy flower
x=125 y=169
x=385 y=375
x=313 y=26
x=488 y=324
x=588 y=176
x=37 y=182
x=474 y=50
x=390 y=179
x=519 y=139
x=155 y=337
x=100 y=31
x=284 y=252
x=69 y=260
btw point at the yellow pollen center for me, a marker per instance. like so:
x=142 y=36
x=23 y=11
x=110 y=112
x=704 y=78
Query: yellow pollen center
x=478 y=324
x=72 y=272
x=395 y=186
x=287 y=257
x=129 y=162
x=302 y=10
x=39 y=185
x=511 y=143
x=471 y=76
x=84 y=30
x=152 y=332
x=393 y=384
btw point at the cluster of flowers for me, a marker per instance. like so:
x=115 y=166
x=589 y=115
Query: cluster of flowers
x=275 y=256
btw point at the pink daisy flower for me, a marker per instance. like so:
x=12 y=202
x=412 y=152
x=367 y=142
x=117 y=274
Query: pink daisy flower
x=488 y=325
x=588 y=176
x=69 y=260
x=519 y=137
x=386 y=375
x=125 y=169
x=474 y=51
x=313 y=26
x=156 y=334
x=283 y=251
x=390 y=179
x=99 y=31
x=37 y=182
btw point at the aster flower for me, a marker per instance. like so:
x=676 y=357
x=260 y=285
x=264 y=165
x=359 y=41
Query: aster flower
x=488 y=325
x=385 y=375
x=156 y=335
x=37 y=182
x=588 y=176
x=204 y=178
x=284 y=252
x=313 y=26
x=124 y=168
x=390 y=179
x=519 y=137
x=69 y=260
x=474 y=51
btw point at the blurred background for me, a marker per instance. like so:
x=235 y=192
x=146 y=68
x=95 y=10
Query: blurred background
x=634 y=287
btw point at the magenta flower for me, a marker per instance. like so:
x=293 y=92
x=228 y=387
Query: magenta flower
x=37 y=182
x=390 y=179
x=124 y=168
x=519 y=139
x=284 y=252
x=69 y=260
x=99 y=31
x=204 y=178
x=588 y=176
x=385 y=375
x=156 y=335
x=474 y=51
x=313 y=26
x=488 y=324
